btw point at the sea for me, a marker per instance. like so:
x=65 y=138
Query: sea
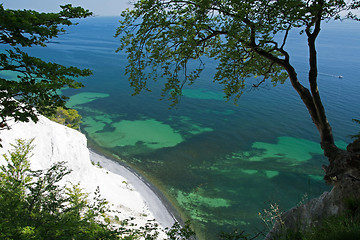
x=225 y=167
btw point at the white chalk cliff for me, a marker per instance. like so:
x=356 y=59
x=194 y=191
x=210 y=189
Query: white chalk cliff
x=54 y=142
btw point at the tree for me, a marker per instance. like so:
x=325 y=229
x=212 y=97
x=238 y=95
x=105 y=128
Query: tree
x=165 y=38
x=35 y=89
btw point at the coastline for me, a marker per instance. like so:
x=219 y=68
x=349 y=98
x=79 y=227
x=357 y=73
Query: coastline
x=164 y=213
x=127 y=192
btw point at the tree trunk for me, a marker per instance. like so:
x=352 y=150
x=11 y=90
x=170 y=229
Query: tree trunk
x=343 y=171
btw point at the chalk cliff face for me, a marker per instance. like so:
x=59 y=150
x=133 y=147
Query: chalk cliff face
x=54 y=142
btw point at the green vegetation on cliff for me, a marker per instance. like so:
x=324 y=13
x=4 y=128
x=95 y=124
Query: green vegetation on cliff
x=68 y=117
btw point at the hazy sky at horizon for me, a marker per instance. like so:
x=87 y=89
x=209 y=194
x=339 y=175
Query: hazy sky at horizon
x=98 y=7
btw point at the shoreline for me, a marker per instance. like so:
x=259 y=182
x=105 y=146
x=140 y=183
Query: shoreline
x=164 y=213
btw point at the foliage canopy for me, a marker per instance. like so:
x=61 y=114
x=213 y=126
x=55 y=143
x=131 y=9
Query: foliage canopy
x=248 y=38
x=36 y=83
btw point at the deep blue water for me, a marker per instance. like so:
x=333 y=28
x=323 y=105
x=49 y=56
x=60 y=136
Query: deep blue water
x=220 y=164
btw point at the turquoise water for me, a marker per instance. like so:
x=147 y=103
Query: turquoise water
x=221 y=164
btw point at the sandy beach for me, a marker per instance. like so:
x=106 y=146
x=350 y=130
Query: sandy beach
x=155 y=203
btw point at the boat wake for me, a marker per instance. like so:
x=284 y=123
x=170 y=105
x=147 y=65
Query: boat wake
x=331 y=75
